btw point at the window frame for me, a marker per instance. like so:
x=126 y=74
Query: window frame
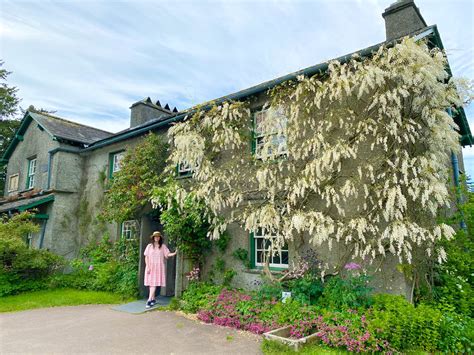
x=256 y=136
x=17 y=175
x=253 y=254
x=184 y=172
x=130 y=230
x=30 y=177
x=112 y=156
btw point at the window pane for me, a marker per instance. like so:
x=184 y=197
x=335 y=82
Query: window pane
x=276 y=258
x=259 y=258
x=284 y=257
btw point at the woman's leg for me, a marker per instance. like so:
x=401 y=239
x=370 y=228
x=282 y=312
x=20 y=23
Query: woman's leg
x=152 y=293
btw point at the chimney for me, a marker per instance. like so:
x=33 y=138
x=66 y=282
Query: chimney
x=145 y=110
x=402 y=18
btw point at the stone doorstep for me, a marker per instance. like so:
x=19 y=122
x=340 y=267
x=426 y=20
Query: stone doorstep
x=138 y=307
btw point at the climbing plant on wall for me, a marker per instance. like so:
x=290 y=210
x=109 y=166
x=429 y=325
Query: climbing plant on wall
x=141 y=170
x=357 y=155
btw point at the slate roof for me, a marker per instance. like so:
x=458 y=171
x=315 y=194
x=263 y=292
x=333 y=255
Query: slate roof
x=68 y=130
x=15 y=205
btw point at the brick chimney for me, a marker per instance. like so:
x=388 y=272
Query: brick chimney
x=402 y=18
x=145 y=110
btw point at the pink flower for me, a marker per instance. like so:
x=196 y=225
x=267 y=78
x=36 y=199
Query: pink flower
x=352 y=266
x=91 y=267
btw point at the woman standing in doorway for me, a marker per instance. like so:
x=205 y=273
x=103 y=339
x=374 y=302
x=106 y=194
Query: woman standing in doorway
x=155 y=277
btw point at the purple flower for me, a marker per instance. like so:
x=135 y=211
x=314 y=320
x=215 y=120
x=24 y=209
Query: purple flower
x=352 y=266
x=91 y=267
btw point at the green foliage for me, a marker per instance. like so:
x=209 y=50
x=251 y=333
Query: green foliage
x=270 y=290
x=23 y=269
x=131 y=187
x=220 y=265
x=228 y=277
x=242 y=255
x=8 y=99
x=222 y=242
x=198 y=296
x=306 y=290
x=106 y=266
x=454 y=279
x=346 y=292
x=56 y=298
x=186 y=227
x=270 y=347
x=423 y=327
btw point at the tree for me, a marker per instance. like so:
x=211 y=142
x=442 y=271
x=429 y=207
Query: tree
x=8 y=124
x=354 y=156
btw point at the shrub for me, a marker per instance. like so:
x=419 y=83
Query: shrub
x=351 y=291
x=306 y=290
x=23 y=269
x=423 y=327
x=106 y=266
x=198 y=296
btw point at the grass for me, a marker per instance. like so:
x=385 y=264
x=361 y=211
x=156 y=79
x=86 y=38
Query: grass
x=57 y=297
x=270 y=347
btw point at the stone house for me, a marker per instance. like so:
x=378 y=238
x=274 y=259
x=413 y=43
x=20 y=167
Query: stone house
x=60 y=169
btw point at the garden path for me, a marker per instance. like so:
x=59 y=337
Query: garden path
x=99 y=329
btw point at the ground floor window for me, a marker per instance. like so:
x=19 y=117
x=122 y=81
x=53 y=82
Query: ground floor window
x=262 y=247
x=129 y=229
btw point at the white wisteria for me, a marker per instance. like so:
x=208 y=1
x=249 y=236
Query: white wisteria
x=358 y=155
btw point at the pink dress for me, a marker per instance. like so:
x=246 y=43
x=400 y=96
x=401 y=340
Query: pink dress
x=156 y=265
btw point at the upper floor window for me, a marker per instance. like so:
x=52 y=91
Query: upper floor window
x=30 y=180
x=263 y=248
x=13 y=182
x=269 y=138
x=115 y=162
x=184 y=168
x=129 y=229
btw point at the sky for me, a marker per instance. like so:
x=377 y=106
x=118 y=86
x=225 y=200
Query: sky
x=89 y=60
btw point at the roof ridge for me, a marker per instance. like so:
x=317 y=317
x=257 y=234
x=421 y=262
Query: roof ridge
x=68 y=121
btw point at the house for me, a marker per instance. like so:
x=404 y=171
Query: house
x=60 y=168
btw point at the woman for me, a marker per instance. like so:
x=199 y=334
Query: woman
x=155 y=277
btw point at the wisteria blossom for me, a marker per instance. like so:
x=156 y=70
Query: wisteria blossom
x=356 y=156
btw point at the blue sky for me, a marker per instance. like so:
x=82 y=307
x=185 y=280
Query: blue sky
x=90 y=60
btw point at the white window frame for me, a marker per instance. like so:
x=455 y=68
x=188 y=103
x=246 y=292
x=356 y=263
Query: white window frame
x=184 y=168
x=277 y=138
x=29 y=240
x=261 y=235
x=10 y=189
x=31 y=173
x=117 y=161
x=129 y=229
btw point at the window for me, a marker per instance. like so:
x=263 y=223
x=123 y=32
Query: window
x=30 y=180
x=270 y=133
x=129 y=229
x=29 y=240
x=184 y=168
x=13 y=182
x=115 y=162
x=262 y=248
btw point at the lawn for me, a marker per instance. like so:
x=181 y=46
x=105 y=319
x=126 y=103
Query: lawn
x=55 y=298
x=274 y=348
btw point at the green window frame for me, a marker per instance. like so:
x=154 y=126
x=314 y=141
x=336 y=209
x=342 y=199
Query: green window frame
x=30 y=177
x=115 y=159
x=279 y=142
x=258 y=242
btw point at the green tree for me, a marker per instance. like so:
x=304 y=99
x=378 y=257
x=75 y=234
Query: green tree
x=8 y=124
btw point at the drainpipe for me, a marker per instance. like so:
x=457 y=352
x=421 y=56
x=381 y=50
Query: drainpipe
x=50 y=160
x=43 y=230
x=455 y=164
